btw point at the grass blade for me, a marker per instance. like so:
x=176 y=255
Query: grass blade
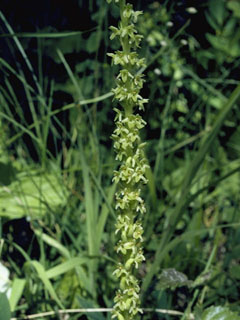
x=46 y=34
x=66 y=266
x=44 y=278
x=53 y=243
x=17 y=290
x=190 y=175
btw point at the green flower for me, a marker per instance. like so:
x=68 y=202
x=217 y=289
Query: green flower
x=131 y=172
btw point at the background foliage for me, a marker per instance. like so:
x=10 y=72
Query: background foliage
x=56 y=159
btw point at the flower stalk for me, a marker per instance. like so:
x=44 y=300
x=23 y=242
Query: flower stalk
x=129 y=152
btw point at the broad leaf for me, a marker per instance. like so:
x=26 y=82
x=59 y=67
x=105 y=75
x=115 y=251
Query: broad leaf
x=5 y=313
x=171 y=278
x=31 y=195
x=219 y=313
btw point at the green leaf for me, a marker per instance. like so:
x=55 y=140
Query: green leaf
x=44 y=278
x=45 y=34
x=171 y=278
x=5 y=313
x=233 y=143
x=69 y=265
x=219 y=313
x=92 y=43
x=7 y=173
x=211 y=21
x=234 y=5
x=17 y=290
x=187 y=182
x=31 y=195
x=53 y=243
x=198 y=312
x=217 y=42
x=235 y=272
x=218 y=11
x=65 y=267
x=229 y=28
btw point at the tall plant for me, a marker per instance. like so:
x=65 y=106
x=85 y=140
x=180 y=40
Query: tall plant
x=129 y=152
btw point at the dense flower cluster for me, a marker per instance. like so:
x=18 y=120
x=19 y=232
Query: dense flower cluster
x=131 y=172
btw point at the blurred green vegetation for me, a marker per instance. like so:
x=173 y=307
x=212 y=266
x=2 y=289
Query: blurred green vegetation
x=56 y=159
